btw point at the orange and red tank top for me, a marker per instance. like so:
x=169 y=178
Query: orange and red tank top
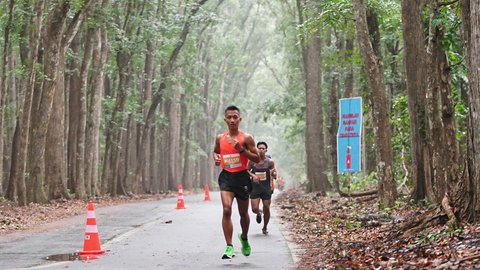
x=231 y=159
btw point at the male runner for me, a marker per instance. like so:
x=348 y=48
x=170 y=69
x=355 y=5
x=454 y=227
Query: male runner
x=233 y=149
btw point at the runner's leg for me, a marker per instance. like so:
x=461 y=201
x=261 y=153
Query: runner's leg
x=227 y=200
x=244 y=217
x=255 y=205
x=266 y=212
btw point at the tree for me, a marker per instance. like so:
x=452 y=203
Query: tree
x=29 y=57
x=415 y=67
x=441 y=135
x=382 y=129
x=314 y=136
x=94 y=106
x=167 y=70
x=3 y=83
x=467 y=199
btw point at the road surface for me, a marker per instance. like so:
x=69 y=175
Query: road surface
x=149 y=235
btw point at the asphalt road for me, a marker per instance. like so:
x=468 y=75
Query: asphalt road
x=149 y=235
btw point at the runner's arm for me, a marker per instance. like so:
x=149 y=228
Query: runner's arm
x=273 y=174
x=249 y=149
x=216 y=151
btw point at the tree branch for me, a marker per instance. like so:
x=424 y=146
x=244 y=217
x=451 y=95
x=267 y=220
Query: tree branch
x=75 y=24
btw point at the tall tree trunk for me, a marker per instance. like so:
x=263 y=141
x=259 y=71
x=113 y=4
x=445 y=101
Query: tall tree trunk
x=154 y=180
x=163 y=155
x=467 y=200
x=440 y=111
x=143 y=154
x=174 y=150
x=187 y=174
x=72 y=112
x=203 y=127
x=3 y=85
x=21 y=137
x=126 y=185
x=55 y=158
x=117 y=121
x=314 y=136
x=382 y=130
x=333 y=127
x=51 y=40
x=15 y=87
x=80 y=189
x=94 y=107
x=415 y=55
x=349 y=78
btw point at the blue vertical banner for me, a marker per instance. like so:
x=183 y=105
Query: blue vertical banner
x=349 y=135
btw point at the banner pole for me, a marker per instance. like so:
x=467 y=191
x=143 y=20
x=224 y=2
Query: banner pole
x=349 y=195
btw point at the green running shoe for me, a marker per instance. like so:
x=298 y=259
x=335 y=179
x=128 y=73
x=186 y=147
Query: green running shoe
x=228 y=254
x=246 y=249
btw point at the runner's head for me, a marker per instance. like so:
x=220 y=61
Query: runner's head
x=262 y=148
x=232 y=117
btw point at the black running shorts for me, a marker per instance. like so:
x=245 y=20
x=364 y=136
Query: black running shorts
x=237 y=182
x=261 y=190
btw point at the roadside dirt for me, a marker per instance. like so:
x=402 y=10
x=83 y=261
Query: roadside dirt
x=15 y=218
x=343 y=233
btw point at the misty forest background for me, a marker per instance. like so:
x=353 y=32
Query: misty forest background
x=121 y=97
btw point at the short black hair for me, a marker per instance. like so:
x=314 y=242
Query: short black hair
x=264 y=143
x=232 y=108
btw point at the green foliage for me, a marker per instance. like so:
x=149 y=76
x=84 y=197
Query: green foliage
x=449 y=231
x=454 y=230
x=357 y=181
x=353 y=224
x=401 y=143
x=386 y=210
x=427 y=238
x=461 y=116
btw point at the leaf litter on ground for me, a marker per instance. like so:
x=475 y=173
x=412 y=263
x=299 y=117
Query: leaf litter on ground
x=354 y=233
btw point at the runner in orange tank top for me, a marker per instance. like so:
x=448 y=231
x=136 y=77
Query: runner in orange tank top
x=233 y=149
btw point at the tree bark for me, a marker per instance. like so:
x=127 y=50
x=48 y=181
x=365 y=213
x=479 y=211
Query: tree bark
x=333 y=127
x=94 y=106
x=415 y=73
x=80 y=189
x=3 y=85
x=21 y=137
x=187 y=174
x=314 y=136
x=440 y=112
x=55 y=154
x=382 y=129
x=467 y=200
x=72 y=112
x=144 y=144
x=43 y=100
x=174 y=150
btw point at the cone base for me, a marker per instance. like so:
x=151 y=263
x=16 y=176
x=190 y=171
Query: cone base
x=91 y=252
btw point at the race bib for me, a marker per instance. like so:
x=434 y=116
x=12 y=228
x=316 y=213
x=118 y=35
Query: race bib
x=262 y=176
x=231 y=161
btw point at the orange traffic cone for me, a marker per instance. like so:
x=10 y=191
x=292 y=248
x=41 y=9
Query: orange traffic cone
x=207 y=193
x=91 y=244
x=180 y=200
